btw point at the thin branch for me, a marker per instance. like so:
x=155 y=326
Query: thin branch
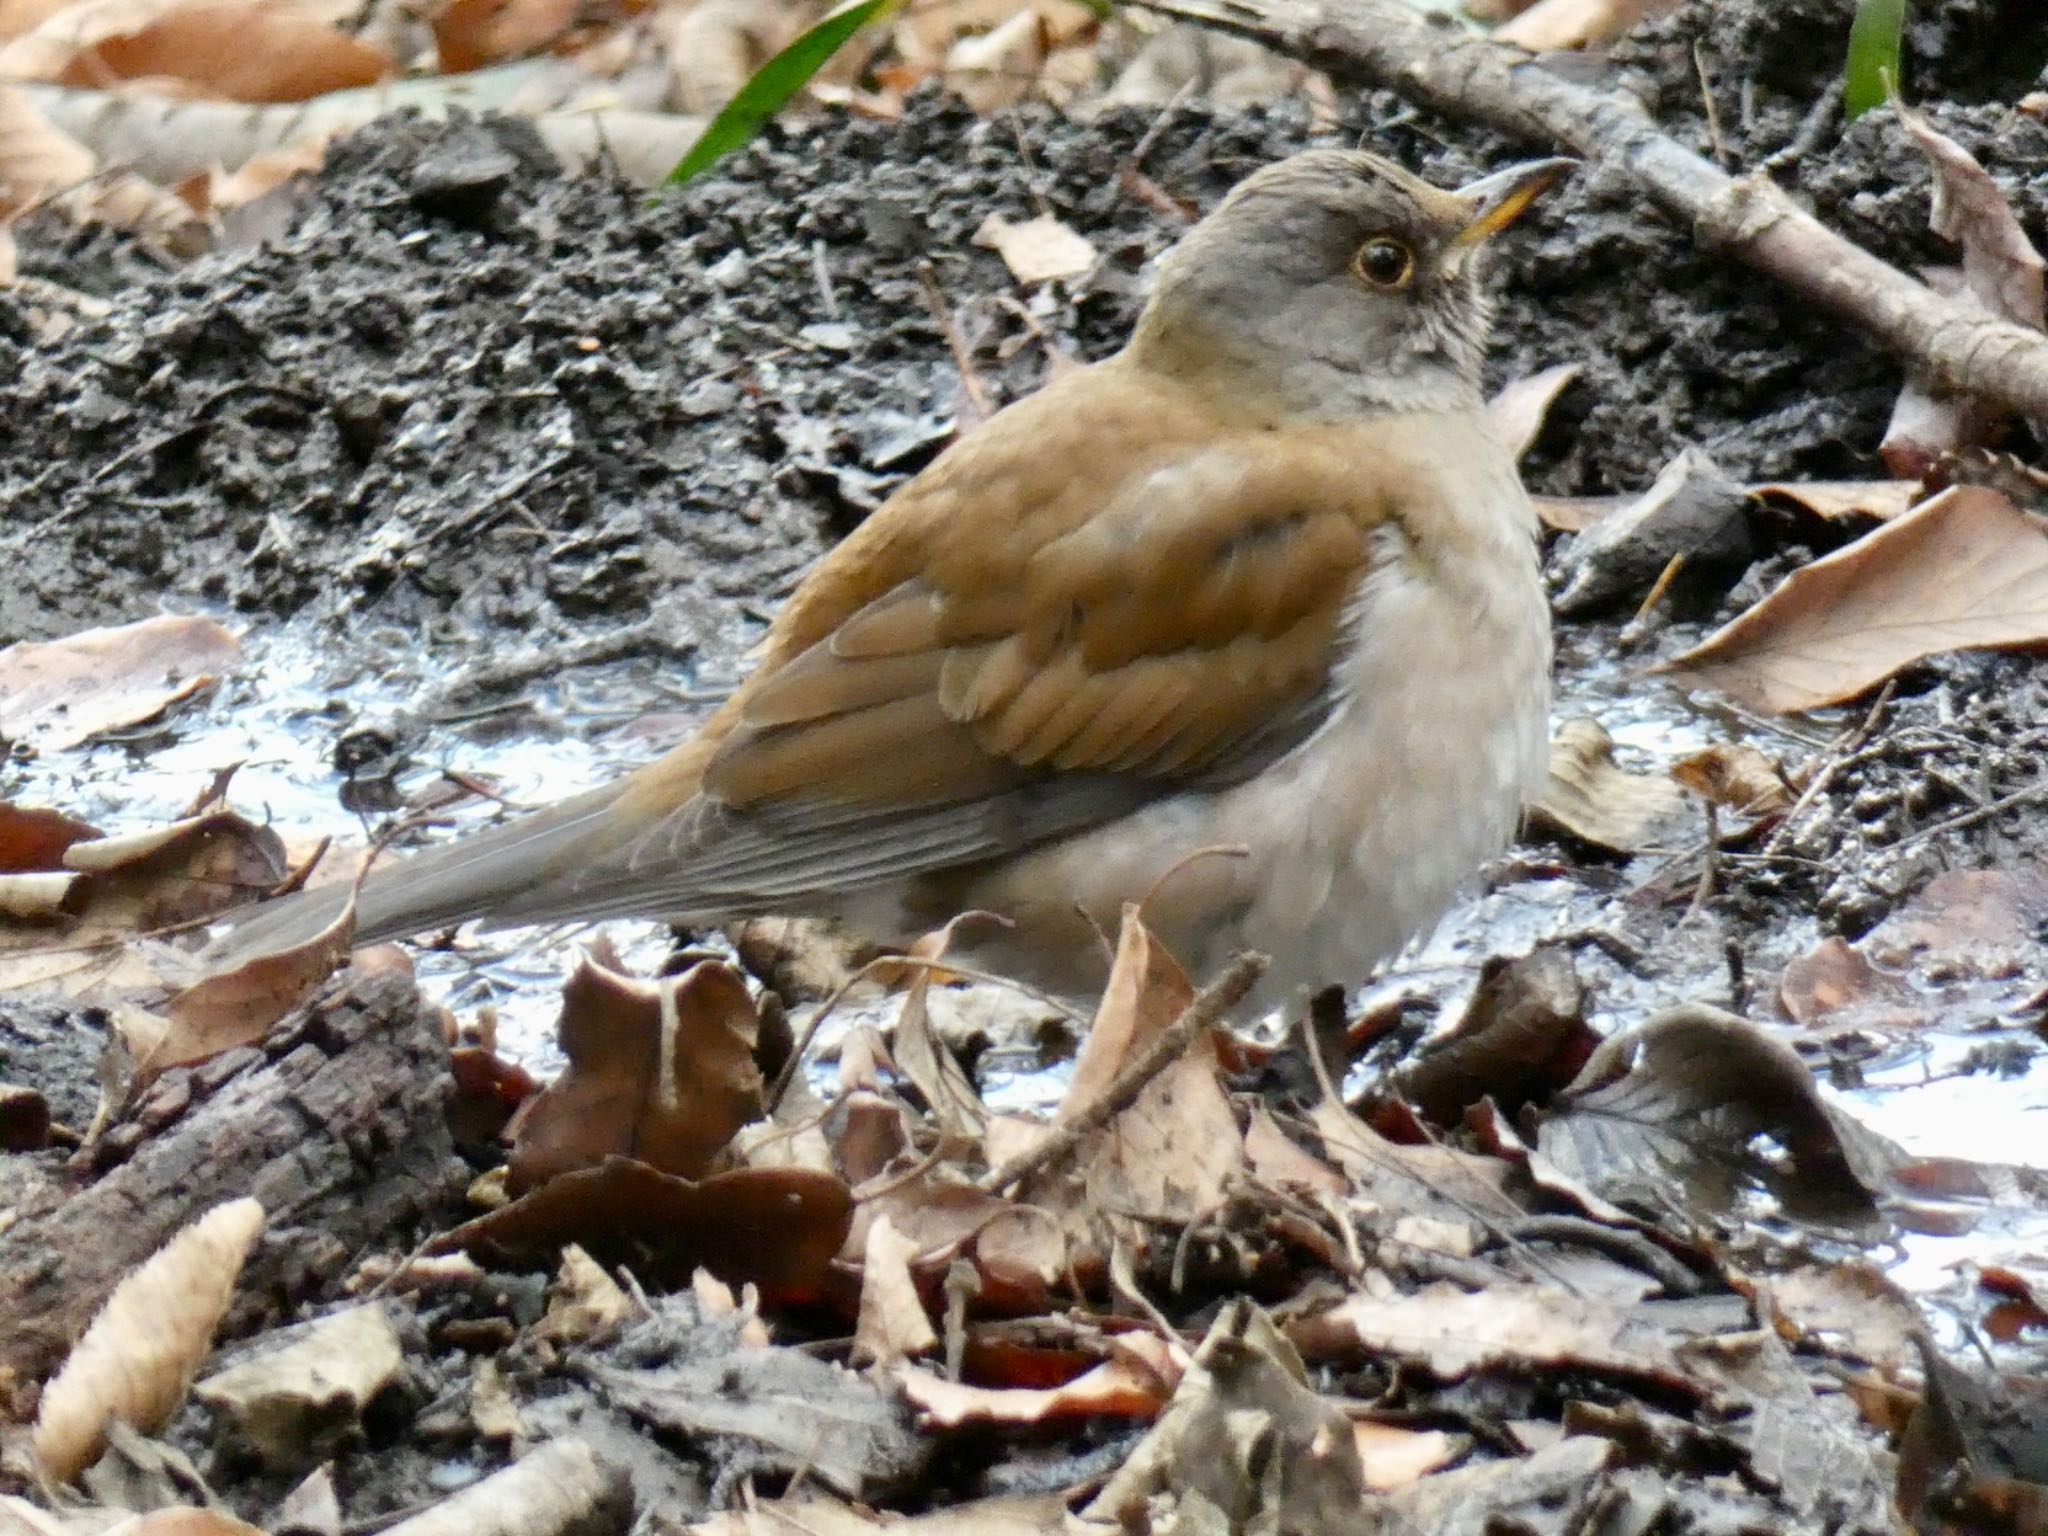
x=1201 y=1014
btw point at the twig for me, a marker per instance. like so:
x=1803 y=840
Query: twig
x=970 y=377
x=1699 y=64
x=1837 y=753
x=1387 y=43
x=1204 y=1012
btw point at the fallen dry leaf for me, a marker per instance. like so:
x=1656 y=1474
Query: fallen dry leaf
x=36 y=159
x=1834 y=986
x=138 y=1357
x=183 y=1522
x=1967 y=570
x=1518 y=411
x=998 y=69
x=585 y=1303
x=241 y=50
x=238 y=1007
x=661 y=1071
x=1037 y=250
x=1702 y=1106
x=1393 y=1457
x=811 y=1514
x=1836 y=500
x=2001 y=270
x=1591 y=797
x=292 y=1399
x=1550 y=26
x=1738 y=779
x=779 y=1228
x=1523 y=1036
x=56 y=694
x=892 y=1325
x=1170 y=1155
x=33 y=841
x=1135 y=1383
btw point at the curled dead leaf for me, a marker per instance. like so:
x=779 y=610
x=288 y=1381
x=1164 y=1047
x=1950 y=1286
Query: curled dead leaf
x=138 y=1357
x=1591 y=797
x=1966 y=570
x=661 y=1071
x=59 y=693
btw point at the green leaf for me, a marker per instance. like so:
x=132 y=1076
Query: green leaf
x=774 y=83
x=1873 y=72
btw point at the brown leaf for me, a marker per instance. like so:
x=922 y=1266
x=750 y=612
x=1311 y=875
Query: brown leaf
x=1173 y=1152
x=923 y=1057
x=241 y=50
x=1966 y=570
x=34 y=840
x=1838 y=500
x=1453 y=1332
x=56 y=694
x=892 y=1325
x=137 y=1359
x=1134 y=1383
x=289 y=1399
x=1037 y=250
x=1591 y=797
x=1834 y=985
x=1518 y=411
x=238 y=1007
x=777 y=1227
x=1393 y=1457
x=1551 y=26
x=661 y=1071
x=2002 y=267
x=1739 y=779
x=36 y=159
x=183 y=1522
x=1677 y=1107
x=1524 y=1036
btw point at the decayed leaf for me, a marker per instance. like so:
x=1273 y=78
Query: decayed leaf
x=1593 y=798
x=586 y=1303
x=659 y=1070
x=58 y=694
x=923 y=1058
x=243 y=50
x=293 y=1397
x=1846 y=1309
x=1834 y=986
x=1037 y=250
x=183 y=1522
x=1552 y=25
x=33 y=840
x=1679 y=1106
x=1245 y=1445
x=1523 y=1037
x=809 y=1514
x=1171 y=1154
x=36 y=159
x=1518 y=412
x=999 y=68
x=2001 y=270
x=1836 y=500
x=138 y=1357
x=1134 y=1383
x=238 y=1007
x=779 y=1228
x=1393 y=1457
x=892 y=1324
x=1738 y=779
x=1453 y=1332
x=1966 y=570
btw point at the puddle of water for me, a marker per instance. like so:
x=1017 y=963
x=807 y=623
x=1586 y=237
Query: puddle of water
x=281 y=718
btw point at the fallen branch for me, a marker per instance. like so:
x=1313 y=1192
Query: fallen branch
x=1202 y=1013
x=1385 y=43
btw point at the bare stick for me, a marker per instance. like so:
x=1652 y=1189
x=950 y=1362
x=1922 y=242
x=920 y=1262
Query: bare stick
x=1202 y=1013
x=1386 y=43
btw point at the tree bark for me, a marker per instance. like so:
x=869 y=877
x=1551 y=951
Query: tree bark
x=337 y=1125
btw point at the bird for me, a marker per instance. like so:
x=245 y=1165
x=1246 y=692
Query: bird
x=1243 y=622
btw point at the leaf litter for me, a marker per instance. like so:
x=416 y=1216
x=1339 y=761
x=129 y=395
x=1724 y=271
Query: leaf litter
x=1376 y=1244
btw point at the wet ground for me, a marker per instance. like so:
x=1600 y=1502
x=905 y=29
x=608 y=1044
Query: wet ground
x=465 y=418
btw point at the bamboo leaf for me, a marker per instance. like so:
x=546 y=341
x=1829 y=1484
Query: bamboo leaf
x=773 y=84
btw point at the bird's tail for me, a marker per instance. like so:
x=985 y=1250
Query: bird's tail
x=505 y=871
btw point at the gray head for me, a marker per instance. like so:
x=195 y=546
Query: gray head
x=1335 y=283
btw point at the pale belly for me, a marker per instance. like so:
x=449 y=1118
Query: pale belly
x=1337 y=855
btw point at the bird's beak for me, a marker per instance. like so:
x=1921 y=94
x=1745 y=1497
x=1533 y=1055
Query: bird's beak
x=1496 y=201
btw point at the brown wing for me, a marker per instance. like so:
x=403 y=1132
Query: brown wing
x=1012 y=650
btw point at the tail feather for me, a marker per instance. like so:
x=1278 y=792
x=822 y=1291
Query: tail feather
x=473 y=876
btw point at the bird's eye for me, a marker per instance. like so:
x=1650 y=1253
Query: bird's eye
x=1385 y=263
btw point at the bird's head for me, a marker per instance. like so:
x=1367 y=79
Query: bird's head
x=1334 y=282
